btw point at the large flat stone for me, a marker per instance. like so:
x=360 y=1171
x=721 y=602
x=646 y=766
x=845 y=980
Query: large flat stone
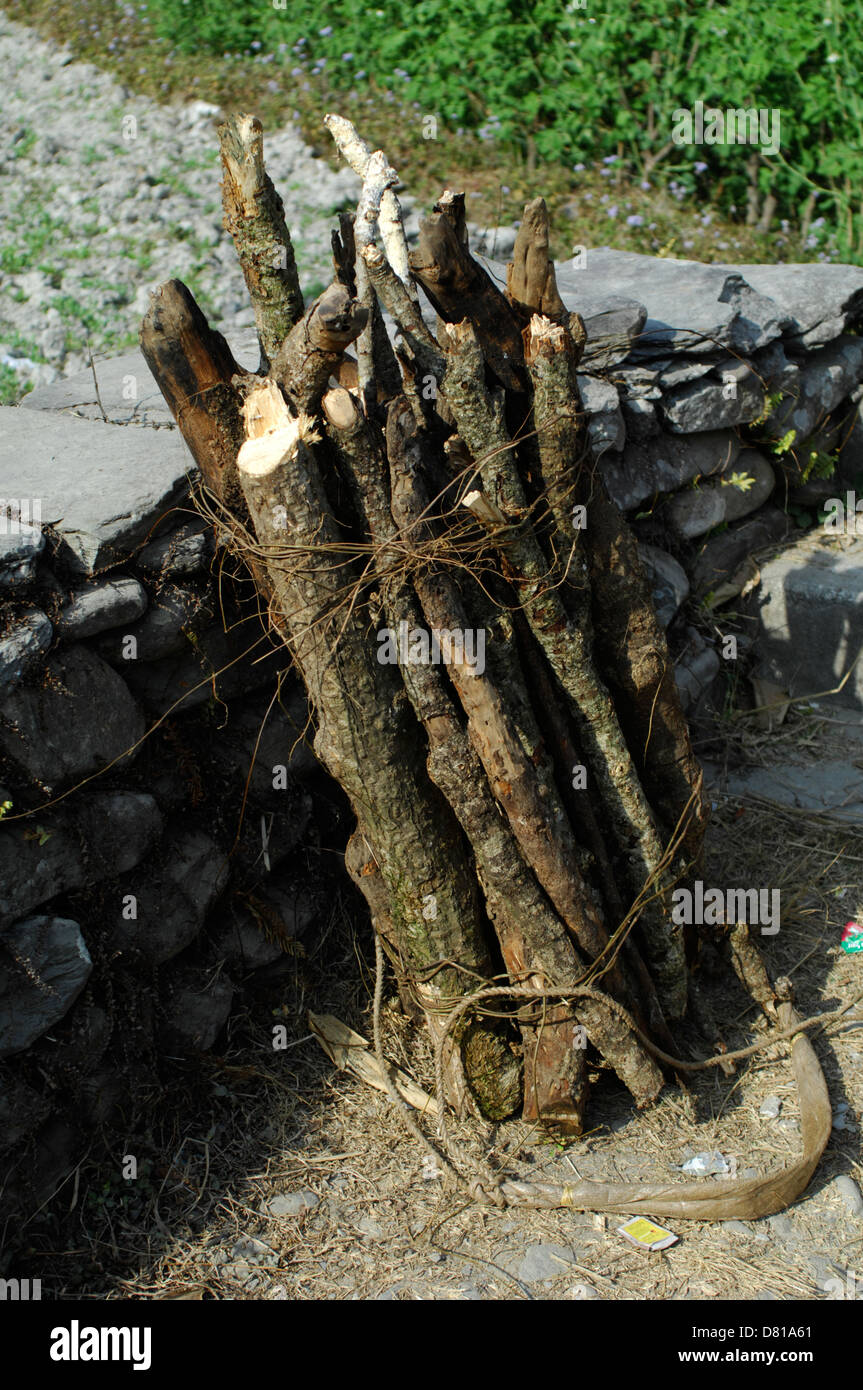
x=831 y=787
x=810 y=614
x=817 y=302
x=117 y=828
x=690 y=306
x=127 y=393
x=665 y=462
x=80 y=719
x=101 y=487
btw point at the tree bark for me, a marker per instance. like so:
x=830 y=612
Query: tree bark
x=377 y=506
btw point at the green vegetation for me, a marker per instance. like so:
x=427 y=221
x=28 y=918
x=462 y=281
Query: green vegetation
x=484 y=92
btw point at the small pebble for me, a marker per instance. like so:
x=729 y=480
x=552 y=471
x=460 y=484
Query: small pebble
x=583 y=1292
x=769 y=1108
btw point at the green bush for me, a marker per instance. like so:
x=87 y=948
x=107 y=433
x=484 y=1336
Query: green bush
x=564 y=82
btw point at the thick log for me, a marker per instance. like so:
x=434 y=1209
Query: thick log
x=367 y=734
x=542 y=952
x=255 y=218
x=194 y=369
x=630 y=643
x=459 y=287
x=567 y=647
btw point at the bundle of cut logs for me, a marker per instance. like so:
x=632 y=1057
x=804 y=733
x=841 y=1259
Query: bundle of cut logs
x=416 y=500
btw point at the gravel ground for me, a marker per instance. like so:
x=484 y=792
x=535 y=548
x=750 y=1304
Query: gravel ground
x=105 y=194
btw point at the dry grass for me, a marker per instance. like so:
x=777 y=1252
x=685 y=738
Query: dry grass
x=258 y=1123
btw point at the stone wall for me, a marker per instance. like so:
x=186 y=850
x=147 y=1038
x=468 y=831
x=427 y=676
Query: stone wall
x=135 y=902
x=147 y=882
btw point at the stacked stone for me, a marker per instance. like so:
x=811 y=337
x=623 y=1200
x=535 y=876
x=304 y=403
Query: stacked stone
x=691 y=374
x=125 y=905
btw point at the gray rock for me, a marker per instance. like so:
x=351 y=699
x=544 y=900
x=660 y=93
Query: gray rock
x=605 y=420
x=825 y=380
x=22 y=646
x=809 y=607
x=639 y=380
x=738 y=1228
x=195 y=1014
x=84 y=719
x=826 y=1274
x=20 y=548
x=710 y=404
x=689 y=514
x=742 y=501
x=665 y=463
x=640 y=419
x=668 y=581
x=689 y=305
x=277 y=736
x=816 y=302
x=491 y=241
x=127 y=393
x=291 y=1203
x=185 y=551
x=677 y=371
x=102 y=487
x=831 y=787
x=768 y=1296
x=783 y=1227
x=779 y=372
x=254 y=1252
x=172 y=897
x=117 y=828
x=695 y=670
x=188 y=677
x=370 y=1228
x=720 y=556
x=847 y=1190
x=770 y=1107
x=49 y=967
x=104 y=605
x=170 y=627
x=239 y=936
x=544 y=1262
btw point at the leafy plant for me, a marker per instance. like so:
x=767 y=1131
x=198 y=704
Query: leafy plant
x=742 y=481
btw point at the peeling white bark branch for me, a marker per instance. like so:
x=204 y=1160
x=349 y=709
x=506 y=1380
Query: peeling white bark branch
x=357 y=153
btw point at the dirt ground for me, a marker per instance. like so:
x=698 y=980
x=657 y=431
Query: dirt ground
x=360 y=1208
